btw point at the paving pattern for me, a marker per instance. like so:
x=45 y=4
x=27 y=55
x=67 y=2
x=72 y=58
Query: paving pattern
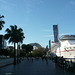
x=35 y=67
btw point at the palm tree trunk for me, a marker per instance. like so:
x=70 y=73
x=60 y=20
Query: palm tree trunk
x=14 y=55
x=17 y=53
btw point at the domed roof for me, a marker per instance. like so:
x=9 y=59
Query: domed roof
x=35 y=44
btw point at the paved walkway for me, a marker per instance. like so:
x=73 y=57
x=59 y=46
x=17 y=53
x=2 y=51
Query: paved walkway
x=35 y=67
x=4 y=62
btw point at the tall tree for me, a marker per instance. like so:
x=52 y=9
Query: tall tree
x=20 y=37
x=1 y=22
x=27 y=48
x=13 y=35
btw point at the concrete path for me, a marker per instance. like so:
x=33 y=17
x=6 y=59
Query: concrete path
x=35 y=67
x=4 y=62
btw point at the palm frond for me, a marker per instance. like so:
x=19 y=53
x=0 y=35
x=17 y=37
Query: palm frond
x=8 y=31
x=12 y=28
x=15 y=27
x=14 y=34
x=20 y=29
x=7 y=36
x=2 y=16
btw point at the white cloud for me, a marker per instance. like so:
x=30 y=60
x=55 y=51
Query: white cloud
x=47 y=30
x=48 y=35
x=65 y=34
x=3 y=5
x=68 y=5
x=3 y=1
x=72 y=3
x=7 y=5
x=59 y=35
x=31 y=4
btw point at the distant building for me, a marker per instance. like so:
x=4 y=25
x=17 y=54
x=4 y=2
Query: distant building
x=2 y=42
x=35 y=45
x=64 y=47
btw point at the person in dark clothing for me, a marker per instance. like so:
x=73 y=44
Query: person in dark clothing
x=56 y=59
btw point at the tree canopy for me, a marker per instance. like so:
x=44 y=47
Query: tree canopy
x=39 y=52
x=1 y=22
x=27 y=48
x=14 y=34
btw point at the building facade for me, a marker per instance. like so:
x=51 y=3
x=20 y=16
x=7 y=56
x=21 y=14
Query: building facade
x=2 y=42
x=65 y=47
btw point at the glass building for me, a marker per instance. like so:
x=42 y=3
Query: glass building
x=2 y=42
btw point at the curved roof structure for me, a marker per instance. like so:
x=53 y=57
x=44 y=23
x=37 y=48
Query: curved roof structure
x=35 y=44
x=67 y=37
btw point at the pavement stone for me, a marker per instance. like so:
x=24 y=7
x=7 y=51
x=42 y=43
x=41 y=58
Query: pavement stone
x=35 y=67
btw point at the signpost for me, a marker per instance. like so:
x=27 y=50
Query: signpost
x=50 y=44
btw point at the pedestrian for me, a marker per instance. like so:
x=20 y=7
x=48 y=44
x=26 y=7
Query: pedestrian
x=56 y=59
x=27 y=58
x=46 y=60
x=32 y=59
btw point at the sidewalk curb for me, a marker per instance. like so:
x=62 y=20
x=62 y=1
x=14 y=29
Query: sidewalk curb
x=5 y=65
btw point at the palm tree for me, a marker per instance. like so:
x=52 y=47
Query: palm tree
x=14 y=36
x=20 y=37
x=1 y=22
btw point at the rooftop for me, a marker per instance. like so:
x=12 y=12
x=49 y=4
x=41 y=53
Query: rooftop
x=67 y=37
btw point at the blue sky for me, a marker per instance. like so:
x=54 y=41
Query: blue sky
x=37 y=17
